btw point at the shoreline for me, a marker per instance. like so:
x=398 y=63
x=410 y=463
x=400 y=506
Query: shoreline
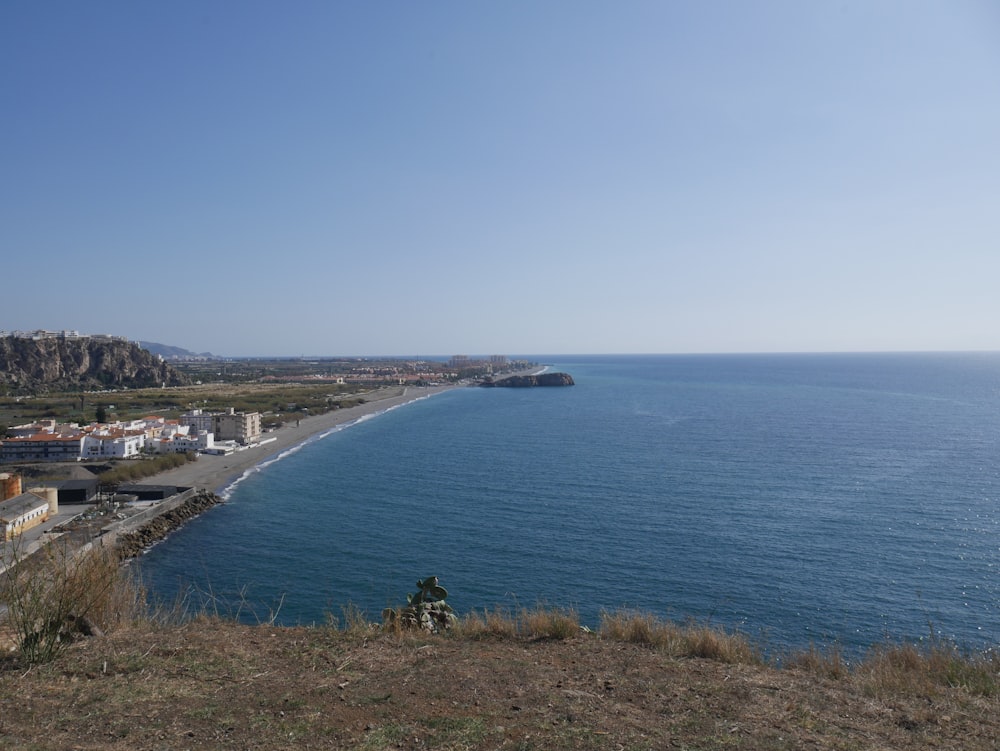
x=219 y=474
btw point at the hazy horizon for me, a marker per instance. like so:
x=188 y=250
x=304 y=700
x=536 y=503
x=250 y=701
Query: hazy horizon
x=534 y=356
x=645 y=176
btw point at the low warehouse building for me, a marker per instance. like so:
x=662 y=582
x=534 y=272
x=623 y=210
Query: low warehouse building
x=20 y=513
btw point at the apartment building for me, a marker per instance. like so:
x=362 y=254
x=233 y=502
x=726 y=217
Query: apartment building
x=43 y=447
x=243 y=427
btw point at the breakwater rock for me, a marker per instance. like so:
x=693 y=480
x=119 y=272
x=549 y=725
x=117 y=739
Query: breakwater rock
x=132 y=544
x=527 y=381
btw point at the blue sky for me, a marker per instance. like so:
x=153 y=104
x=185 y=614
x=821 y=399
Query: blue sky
x=262 y=178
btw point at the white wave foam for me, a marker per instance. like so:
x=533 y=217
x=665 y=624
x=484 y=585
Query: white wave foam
x=227 y=490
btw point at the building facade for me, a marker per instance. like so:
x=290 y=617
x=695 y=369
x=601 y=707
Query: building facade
x=198 y=420
x=43 y=447
x=20 y=513
x=182 y=443
x=114 y=444
x=242 y=427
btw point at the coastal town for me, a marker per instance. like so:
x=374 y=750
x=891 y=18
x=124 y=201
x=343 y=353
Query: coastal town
x=194 y=431
x=25 y=508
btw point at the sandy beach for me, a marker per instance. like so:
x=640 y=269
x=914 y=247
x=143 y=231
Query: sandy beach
x=214 y=473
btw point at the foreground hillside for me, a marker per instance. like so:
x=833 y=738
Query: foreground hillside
x=211 y=684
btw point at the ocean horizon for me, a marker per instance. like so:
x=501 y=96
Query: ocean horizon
x=800 y=498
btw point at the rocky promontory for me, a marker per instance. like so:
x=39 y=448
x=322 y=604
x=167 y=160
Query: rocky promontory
x=85 y=363
x=527 y=381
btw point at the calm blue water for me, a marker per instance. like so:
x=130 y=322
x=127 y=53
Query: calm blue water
x=799 y=498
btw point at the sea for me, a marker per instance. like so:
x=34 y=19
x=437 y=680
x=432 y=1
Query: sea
x=835 y=500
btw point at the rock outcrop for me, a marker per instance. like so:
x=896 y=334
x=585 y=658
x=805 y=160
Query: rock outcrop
x=56 y=364
x=527 y=381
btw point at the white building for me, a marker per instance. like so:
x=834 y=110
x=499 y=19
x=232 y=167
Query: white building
x=42 y=447
x=20 y=513
x=113 y=444
x=182 y=442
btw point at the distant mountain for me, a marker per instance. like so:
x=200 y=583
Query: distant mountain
x=63 y=364
x=167 y=352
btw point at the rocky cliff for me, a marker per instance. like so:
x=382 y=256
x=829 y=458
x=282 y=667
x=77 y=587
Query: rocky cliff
x=40 y=365
x=527 y=381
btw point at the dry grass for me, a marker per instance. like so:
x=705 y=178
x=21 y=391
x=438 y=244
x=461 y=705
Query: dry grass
x=688 y=640
x=828 y=662
x=495 y=624
x=50 y=590
x=60 y=591
x=527 y=623
x=210 y=683
x=352 y=622
x=929 y=668
x=530 y=679
x=886 y=669
x=548 y=623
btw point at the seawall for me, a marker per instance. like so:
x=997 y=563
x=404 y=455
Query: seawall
x=133 y=535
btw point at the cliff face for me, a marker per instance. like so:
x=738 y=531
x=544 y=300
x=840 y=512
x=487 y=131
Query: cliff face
x=28 y=365
x=545 y=379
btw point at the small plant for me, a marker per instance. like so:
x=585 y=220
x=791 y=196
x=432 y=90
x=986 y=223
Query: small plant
x=60 y=593
x=549 y=623
x=927 y=667
x=829 y=662
x=497 y=624
x=426 y=609
x=680 y=640
x=353 y=621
